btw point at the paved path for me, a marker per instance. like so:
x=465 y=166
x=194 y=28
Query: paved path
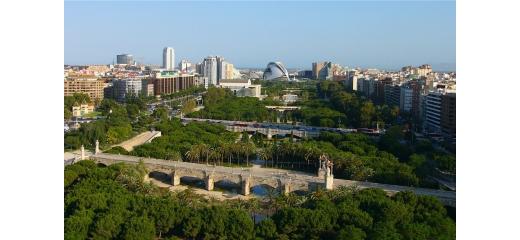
x=73 y=156
x=448 y=197
x=142 y=138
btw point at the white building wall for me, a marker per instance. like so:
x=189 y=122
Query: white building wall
x=168 y=58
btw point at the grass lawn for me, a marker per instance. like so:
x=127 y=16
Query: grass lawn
x=92 y=114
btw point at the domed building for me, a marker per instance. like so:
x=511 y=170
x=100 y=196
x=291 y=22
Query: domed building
x=275 y=70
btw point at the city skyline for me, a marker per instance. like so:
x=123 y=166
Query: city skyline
x=385 y=35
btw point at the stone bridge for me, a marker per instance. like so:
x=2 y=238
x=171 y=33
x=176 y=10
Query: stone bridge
x=282 y=180
x=285 y=181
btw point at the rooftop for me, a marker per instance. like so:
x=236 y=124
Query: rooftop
x=234 y=81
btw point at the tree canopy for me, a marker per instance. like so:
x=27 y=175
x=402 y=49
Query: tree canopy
x=114 y=203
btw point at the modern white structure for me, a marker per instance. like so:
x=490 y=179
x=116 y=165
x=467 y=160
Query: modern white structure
x=242 y=87
x=168 y=58
x=184 y=66
x=290 y=98
x=275 y=70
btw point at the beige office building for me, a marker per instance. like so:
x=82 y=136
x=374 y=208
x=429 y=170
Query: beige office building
x=84 y=84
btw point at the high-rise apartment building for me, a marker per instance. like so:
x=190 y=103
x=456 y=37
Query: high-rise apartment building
x=147 y=87
x=168 y=58
x=432 y=112
x=379 y=90
x=406 y=99
x=392 y=95
x=316 y=68
x=221 y=65
x=351 y=80
x=229 y=71
x=209 y=69
x=448 y=120
x=126 y=87
x=184 y=66
x=366 y=86
x=127 y=59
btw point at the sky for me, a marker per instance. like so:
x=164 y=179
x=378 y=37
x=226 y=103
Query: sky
x=369 y=34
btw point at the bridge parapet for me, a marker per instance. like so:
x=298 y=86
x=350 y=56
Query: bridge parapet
x=287 y=181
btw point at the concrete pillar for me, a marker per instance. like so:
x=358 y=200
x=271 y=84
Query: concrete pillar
x=284 y=186
x=245 y=184
x=97 y=147
x=82 y=152
x=269 y=134
x=329 y=181
x=208 y=181
x=176 y=178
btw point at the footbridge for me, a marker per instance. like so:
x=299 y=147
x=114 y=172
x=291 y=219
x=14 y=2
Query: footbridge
x=285 y=181
x=270 y=132
x=270 y=128
x=142 y=138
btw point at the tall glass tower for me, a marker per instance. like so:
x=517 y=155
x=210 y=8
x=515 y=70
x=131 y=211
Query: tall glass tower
x=168 y=58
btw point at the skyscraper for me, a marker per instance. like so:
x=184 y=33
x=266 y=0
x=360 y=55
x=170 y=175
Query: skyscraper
x=316 y=68
x=127 y=59
x=221 y=66
x=210 y=70
x=168 y=58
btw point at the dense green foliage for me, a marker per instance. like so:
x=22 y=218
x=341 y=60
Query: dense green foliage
x=220 y=103
x=279 y=88
x=119 y=123
x=177 y=140
x=185 y=92
x=355 y=157
x=325 y=104
x=114 y=203
x=421 y=154
x=333 y=106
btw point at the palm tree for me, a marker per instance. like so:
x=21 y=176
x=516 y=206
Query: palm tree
x=248 y=149
x=262 y=154
x=237 y=149
x=192 y=154
x=311 y=152
x=218 y=154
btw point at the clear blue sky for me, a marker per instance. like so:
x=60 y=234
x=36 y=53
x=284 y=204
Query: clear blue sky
x=384 y=34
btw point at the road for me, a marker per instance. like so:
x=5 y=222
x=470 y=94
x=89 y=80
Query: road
x=167 y=101
x=272 y=125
